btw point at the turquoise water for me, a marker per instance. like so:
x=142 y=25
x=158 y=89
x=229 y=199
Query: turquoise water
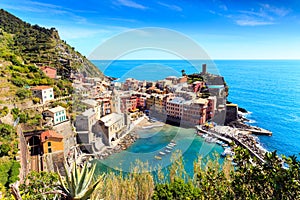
x=154 y=140
x=269 y=89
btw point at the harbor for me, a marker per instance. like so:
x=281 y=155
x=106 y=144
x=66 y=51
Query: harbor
x=240 y=137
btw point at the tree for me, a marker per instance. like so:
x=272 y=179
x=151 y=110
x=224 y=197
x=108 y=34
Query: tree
x=6 y=130
x=9 y=171
x=4 y=149
x=178 y=189
x=183 y=72
x=39 y=185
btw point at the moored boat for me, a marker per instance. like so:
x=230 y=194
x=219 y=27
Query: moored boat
x=227 y=152
x=157 y=157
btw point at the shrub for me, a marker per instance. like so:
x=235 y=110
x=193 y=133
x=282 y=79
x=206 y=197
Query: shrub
x=4 y=149
x=4 y=111
x=176 y=190
x=6 y=130
x=23 y=93
x=36 y=100
x=18 y=81
x=15 y=112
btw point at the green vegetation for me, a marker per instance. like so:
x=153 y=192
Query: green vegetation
x=211 y=180
x=28 y=44
x=9 y=167
x=78 y=183
x=194 y=77
x=39 y=185
x=4 y=111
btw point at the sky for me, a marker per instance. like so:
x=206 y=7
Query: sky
x=225 y=29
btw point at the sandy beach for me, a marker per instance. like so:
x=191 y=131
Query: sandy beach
x=145 y=123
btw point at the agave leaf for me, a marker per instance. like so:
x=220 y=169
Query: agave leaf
x=69 y=180
x=82 y=178
x=64 y=188
x=86 y=194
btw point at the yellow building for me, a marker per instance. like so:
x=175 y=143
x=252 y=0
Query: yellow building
x=52 y=142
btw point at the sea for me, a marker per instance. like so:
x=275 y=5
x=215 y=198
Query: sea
x=268 y=89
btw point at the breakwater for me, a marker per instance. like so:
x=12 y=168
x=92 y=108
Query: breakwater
x=240 y=137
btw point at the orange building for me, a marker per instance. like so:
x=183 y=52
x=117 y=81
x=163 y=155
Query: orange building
x=51 y=142
x=49 y=71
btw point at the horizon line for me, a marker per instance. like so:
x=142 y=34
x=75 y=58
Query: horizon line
x=279 y=59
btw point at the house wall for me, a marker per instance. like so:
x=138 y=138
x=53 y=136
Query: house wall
x=59 y=117
x=56 y=144
x=44 y=94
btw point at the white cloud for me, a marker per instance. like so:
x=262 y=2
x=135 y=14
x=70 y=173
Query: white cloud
x=274 y=10
x=131 y=4
x=48 y=9
x=249 y=22
x=264 y=15
x=170 y=6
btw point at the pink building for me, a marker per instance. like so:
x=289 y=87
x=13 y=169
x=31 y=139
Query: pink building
x=195 y=112
x=49 y=71
x=192 y=112
x=174 y=107
x=211 y=107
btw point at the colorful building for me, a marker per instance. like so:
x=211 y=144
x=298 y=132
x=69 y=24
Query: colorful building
x=44 y=92
x=194 y=112
x=51 y=142
x=58 y=114
x=174 y=107
x=211 y=107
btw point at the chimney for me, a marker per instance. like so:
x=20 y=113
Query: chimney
x=203 y=68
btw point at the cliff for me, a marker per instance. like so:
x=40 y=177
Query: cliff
x=38 y=45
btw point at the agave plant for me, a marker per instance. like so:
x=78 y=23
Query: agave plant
x=78 y=183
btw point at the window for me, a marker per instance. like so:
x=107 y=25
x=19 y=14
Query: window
x=49 y=150
x=44 y=91
x=50 y=95
x=49 y=144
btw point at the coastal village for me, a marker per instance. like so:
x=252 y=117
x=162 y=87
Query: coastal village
x=107 y=111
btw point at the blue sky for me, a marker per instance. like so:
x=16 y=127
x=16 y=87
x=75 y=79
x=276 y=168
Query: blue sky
x=228 y=29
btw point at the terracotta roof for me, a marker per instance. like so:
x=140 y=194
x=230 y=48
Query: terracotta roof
x=50 y=134
x=41 y=87
x=44 y=67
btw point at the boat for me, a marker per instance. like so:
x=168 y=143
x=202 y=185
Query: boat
x=168 y=147
x=162 y=153
x=225 y=145
x=172 y=144
x=219 y=142
x=168 y=151
x=157 y=157
x=211 y=140
x=227 y=152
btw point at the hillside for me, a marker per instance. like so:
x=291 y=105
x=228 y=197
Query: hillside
x=42 y=46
